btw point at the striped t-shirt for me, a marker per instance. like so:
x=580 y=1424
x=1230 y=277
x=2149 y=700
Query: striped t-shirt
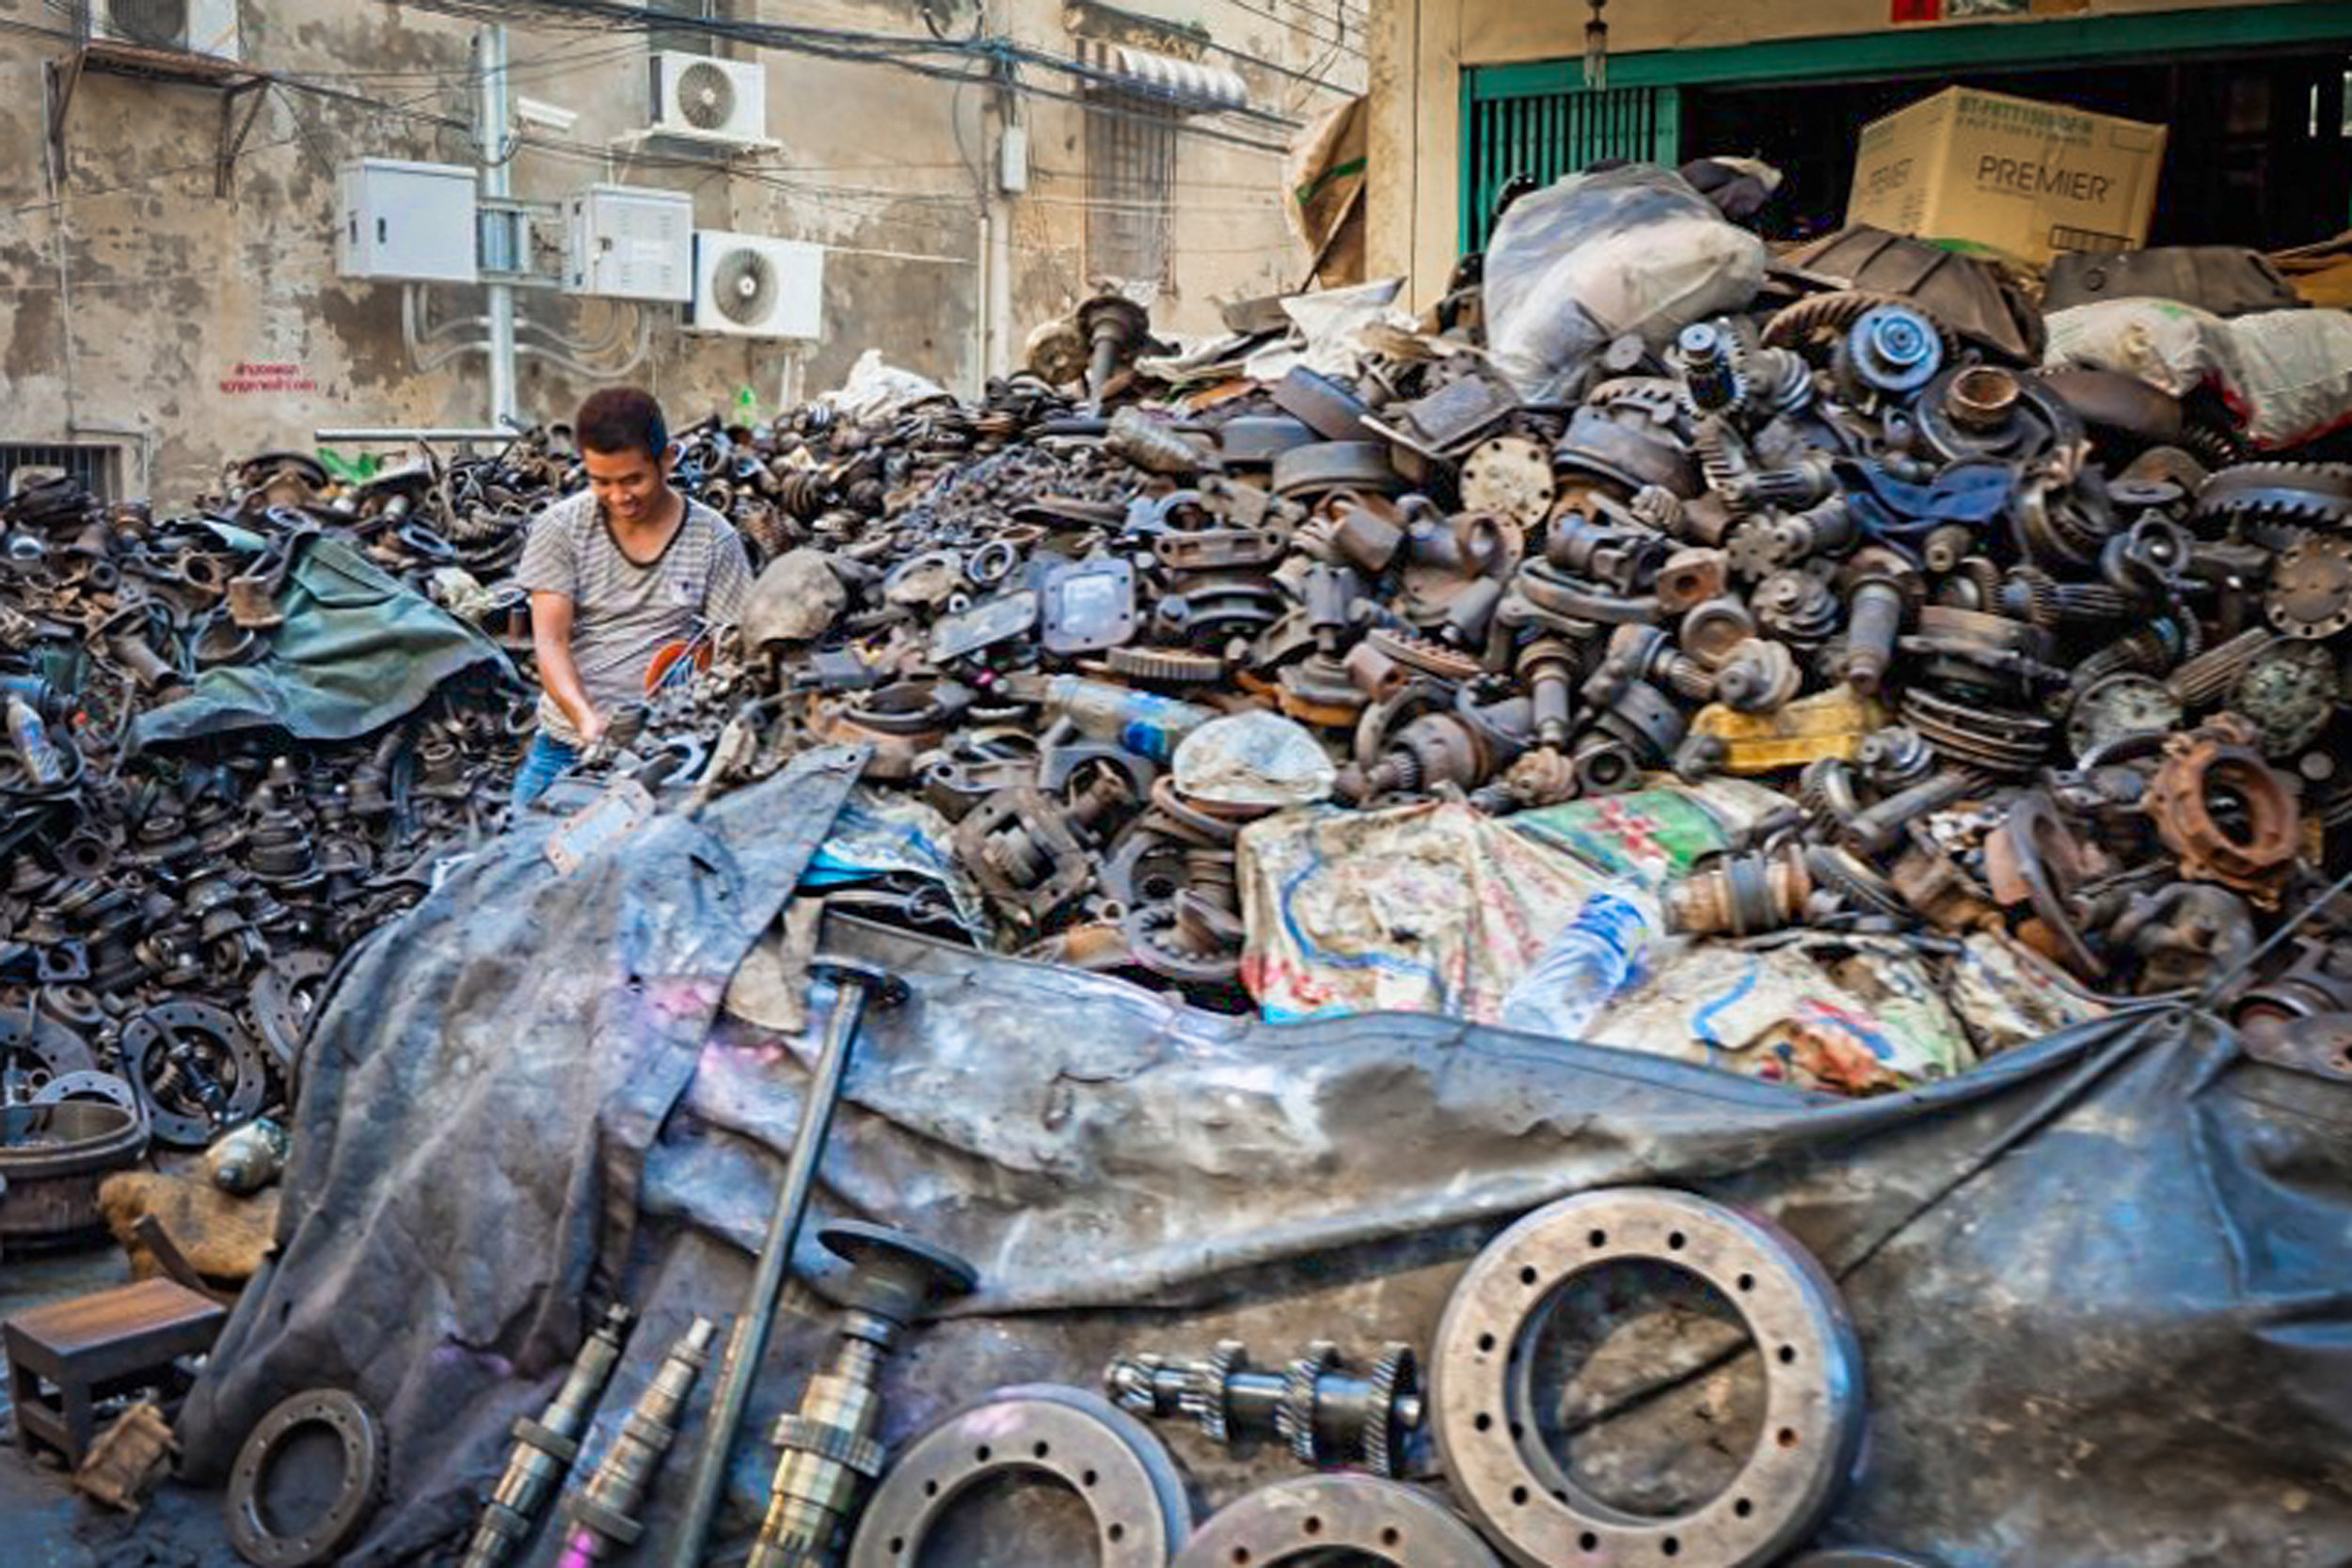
x=623 y=613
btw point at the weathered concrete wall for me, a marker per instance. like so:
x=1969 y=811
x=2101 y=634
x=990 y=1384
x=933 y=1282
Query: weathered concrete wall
x=136 y=303
x=1421 y=47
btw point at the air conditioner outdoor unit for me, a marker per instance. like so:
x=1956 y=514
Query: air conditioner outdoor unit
x=756 y=287
x=177 y=26
x=705 y=99
x=627 y=242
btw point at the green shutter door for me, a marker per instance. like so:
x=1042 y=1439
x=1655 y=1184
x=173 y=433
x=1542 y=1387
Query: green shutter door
x=1536 y=119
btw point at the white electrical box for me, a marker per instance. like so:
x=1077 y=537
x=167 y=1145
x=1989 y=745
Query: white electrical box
x=626 y=242
x=756 y=287
x=1013 y=160
x=406 y=222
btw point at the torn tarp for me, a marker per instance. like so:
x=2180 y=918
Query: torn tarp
x=358 y=650
x=2099 y=1282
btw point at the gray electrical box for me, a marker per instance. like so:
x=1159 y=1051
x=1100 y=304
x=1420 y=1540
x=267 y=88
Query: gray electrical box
x=626 y=242
x=406 y=222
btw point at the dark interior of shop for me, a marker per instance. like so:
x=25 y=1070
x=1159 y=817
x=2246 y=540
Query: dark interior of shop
x=2259 y=152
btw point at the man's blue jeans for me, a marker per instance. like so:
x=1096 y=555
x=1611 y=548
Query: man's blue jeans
x=546 y=760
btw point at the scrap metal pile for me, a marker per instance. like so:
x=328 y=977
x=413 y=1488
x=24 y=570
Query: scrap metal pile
x=167 y=914
x=2036 y=652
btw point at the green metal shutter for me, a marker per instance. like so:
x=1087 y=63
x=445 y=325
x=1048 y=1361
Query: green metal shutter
x=1536 y=120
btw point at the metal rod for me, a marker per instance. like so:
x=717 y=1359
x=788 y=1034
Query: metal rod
x=747 y=1345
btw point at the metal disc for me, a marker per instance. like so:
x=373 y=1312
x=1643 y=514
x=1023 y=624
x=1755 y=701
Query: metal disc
x=1481 y=1373
x=284 y=998
x=179 y=1120
x=280 y=1544
x=1114 y=1465
x=102 y=1087
x=1297 y=1522
x=1511 y=476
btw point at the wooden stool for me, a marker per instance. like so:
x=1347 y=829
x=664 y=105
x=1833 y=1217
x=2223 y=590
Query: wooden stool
x=96 y=1347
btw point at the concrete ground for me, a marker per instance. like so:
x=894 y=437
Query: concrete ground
x=43 y=1522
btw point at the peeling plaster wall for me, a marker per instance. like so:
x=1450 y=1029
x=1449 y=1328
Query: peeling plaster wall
x=130 y=307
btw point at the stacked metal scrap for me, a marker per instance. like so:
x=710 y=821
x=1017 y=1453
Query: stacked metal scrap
x=168 y=915
x=2029 y=652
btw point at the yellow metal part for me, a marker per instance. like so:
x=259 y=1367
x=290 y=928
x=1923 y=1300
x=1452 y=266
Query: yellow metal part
x=1826 y=724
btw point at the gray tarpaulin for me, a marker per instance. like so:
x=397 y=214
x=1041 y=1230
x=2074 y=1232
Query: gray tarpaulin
x=358 y=650
x=2104 y=1284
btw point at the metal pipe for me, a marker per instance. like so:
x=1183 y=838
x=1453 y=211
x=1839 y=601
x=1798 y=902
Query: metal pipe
x=347 y=437
x=747 y=1345
x=490 y=130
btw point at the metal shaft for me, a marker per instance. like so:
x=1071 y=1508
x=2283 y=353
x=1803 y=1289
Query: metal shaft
x=747 y=1345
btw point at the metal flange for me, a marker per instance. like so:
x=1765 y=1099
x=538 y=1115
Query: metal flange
x=1321 y=1518
x=1110 y=1460
x=1482 y=1391
x=269 y=1542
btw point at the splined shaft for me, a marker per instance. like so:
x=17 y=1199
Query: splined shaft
x=545 y=1447
x=603 y=1514
x=1324 y=1413
x=830 y=1455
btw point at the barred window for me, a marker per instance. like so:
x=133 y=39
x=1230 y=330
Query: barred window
x=95 y=468
x=1131 y=182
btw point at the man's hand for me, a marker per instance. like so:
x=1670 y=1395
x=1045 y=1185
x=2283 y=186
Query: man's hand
x=591 y=725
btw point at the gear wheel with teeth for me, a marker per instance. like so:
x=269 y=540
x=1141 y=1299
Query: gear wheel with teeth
x=1295 y=1418
x=1208 y=1386
x=2267 y=497
x=1395 y=1407
x=1175 y=666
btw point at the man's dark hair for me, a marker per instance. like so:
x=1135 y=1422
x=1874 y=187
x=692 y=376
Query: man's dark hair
x=621 y=419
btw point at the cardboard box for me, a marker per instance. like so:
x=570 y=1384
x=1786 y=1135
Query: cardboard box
x=2026 y=178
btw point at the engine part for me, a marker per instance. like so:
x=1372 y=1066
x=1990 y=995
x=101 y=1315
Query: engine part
x=258 y=1527
x=2223 y=811
x=1324 y=1414
x=2289 y=693
x=857 y=988
x=1739 y=896
x=829 y=1453
x=1111 y=1462
x=197 y=1069
x=1511 y=477
x=2118 y=707
x=2185 y=935
x=1894 y=348
x=602 y=1515
x=54 y=1157
x=2311 y=589
x=546 y=1447
x=1487 y=1432
x=1356 y=1519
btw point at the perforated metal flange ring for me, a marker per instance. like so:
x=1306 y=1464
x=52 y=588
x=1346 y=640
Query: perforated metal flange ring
x=1481 y=1378
x=339 y=1503
x=1114 y=1464
x=1332 y=1518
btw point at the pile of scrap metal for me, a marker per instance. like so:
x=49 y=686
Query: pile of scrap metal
x=2033 y=651
x=168 y=914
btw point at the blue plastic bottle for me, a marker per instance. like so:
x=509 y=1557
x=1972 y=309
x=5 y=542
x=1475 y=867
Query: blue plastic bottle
x=1592 y=959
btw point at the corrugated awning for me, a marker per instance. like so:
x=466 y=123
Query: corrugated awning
x=1191 y=86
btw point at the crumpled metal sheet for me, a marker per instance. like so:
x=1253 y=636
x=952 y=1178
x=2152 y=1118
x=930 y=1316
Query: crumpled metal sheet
x=2099 y=1280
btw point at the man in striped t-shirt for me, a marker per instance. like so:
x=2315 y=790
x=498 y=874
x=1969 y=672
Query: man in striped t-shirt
x=614 y=575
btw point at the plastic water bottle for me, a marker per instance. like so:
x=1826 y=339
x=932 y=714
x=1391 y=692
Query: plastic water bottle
x=1589 y=962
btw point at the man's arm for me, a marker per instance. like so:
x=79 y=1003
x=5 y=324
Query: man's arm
x=551 y=640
